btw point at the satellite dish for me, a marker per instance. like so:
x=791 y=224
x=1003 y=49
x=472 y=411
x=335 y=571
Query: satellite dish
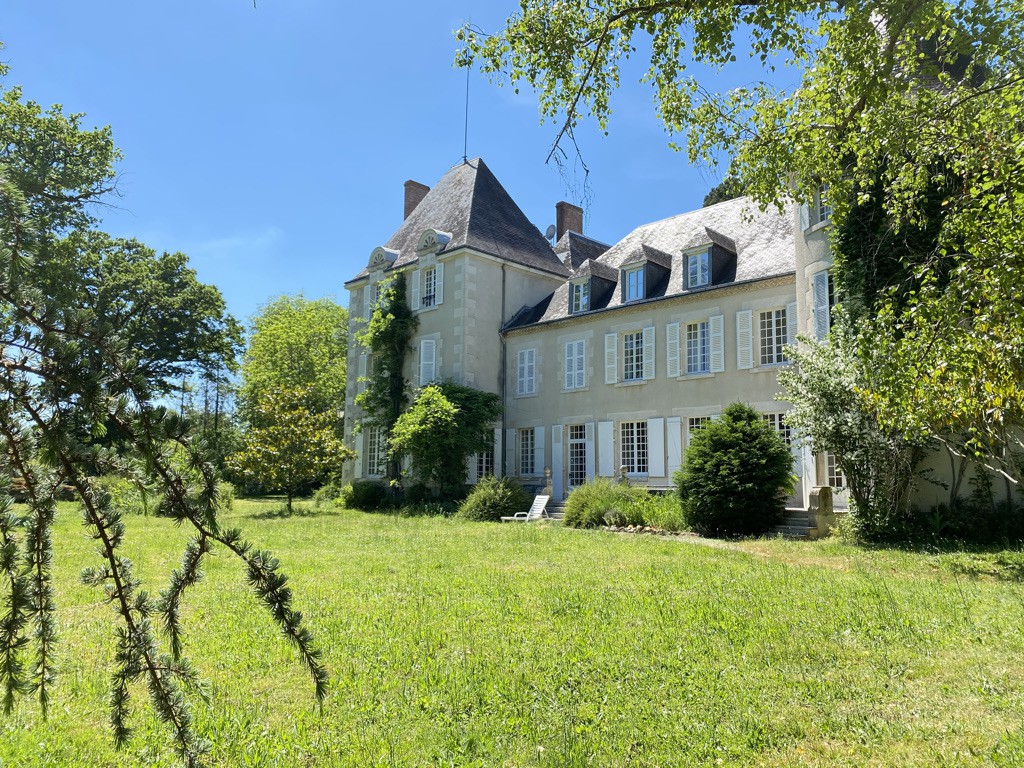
x=549 y=233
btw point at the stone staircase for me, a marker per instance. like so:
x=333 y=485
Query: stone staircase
x=796 y=525
x=556 y=509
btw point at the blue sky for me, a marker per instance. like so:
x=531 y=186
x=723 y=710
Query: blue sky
x=271 y=144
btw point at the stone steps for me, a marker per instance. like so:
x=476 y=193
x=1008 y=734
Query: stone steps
x=796 y=525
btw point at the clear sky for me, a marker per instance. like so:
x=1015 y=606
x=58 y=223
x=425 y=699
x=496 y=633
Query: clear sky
x=271 y=144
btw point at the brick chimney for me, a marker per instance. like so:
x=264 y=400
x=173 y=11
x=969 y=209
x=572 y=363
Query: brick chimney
x=414 y=194
x=568 y=217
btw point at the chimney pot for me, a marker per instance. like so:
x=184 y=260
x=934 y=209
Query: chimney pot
x=414 y=194
x=568 y=218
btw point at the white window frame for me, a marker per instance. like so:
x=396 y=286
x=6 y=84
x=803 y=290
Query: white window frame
x=773 y=336
x=526 y=372
x=376 y=452
x=698 y=269
x=634 y=449
x=777 y=421
x=633 y=356
x=428 y=287
x=485 y=463
x=698 y=348
x=527 y=439
x=575 y=368
x=833 y=472
x=579 y=297
x=633 y=280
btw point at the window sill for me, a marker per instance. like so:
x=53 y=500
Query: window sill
x=427 y=309
x=692 y=376
x=816 y=227
x=767 y=367
x=575 y=389
x=630 y=383
x=525 y=394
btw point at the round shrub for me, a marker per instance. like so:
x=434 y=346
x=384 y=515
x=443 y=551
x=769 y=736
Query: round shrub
x=493 y=498
x=604 y=502
x=736 y=475
x=364 y=495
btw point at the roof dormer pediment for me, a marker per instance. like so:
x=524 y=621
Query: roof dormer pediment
x=381 y=258
x=432 y=241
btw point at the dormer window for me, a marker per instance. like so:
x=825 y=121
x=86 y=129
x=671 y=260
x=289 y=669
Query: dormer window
x=698 y=269
x=580 y=297
x=634 y=280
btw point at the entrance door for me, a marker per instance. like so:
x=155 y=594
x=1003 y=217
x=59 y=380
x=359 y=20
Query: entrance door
x=577 y=455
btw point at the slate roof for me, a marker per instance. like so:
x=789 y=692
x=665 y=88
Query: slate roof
x=470 y=204
x=575 y=249
x=762 y=241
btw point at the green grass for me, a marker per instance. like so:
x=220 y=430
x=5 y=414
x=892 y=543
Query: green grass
x=471 y=644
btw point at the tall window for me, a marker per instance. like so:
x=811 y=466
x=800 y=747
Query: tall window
x=698 y=269
x=633 y=356
x=698 y=352
x=485 y=463
x=633 y=446
x=580 y=297
x=634 y=284
x=834 y=473
x=429 y=278
x=376 y=451
x=773 y=337
x=526 y=378
x=777 y=422
x=575 y=364
x=823 y=211
x=526 y=452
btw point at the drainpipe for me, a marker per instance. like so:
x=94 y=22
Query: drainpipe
x=501 y=379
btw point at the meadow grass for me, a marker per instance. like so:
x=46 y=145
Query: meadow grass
x=453 y=643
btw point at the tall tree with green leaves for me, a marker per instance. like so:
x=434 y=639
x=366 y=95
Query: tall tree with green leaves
x=64 y=376
x=890 y=95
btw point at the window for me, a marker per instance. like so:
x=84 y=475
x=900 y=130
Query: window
x=823 y=211
x=777 y=422
x=695 y=423
x=834 y=473
x=376 y=451
x=526 y=379
x=575 y=364
x=634 y=284
x=698 y=358
x=773 y=337
x=633 y=446
x=429 y=279
x=485 y=463
x=526 y=452
x=577 y=455
x=698 y=268
x=633 y=356
x=580 y=297
x=428 y=361
x=378 y=288
x=823 y=290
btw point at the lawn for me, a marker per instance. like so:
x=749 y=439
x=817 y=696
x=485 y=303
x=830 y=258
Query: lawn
x=471 y=644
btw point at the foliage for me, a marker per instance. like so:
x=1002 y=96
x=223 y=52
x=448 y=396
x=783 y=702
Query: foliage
x=330 y=494
x=658 y=510
x=365 y=495
x=826 y=385
x=735 y=475
x=61 y=371
x=387 y=336
x=492 y=498
x=728 y=188
x=290 y=445
x=296 y=343
x=445 y=425
x=912 y=108
x=128 y=497
x=602 y=502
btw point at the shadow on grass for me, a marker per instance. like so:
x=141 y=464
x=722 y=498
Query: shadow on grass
x=276 y=508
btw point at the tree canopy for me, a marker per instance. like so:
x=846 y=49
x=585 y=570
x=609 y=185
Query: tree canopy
x=894 y=99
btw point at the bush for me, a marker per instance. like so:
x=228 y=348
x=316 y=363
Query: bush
x=736 y=475
x=493 y=498
x=603 y=502
x=128 y=498
x=330 y=494
x=226 y=494
x=660 y=510
x=365 y=495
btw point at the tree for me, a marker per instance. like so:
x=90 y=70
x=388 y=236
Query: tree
x=296 y=343
x=291 y=445
x=728 y=188
x=893 y=97
x=735 y=475
x=62 y=371
x=387 y=336
x=445 y=425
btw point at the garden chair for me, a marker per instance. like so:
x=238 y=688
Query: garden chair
x=536 y=512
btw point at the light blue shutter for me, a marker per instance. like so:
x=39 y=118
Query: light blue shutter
x=359 y=454
x=611 y=362
x=648 y=337
x=556 y=462
x=674 y=444
x=744 y=339
x=581 y=363
x=672 y=350
x=538 y=451
x=439 y=284
x=716 y=329
x=415 y=292
x=821 y=315
x=605 y=449
x=588 y=434
x=656 y=447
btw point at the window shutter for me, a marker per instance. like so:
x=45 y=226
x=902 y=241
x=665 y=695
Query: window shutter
x=361 y=381
x=605 y=450
x=649 y=352
x=471 y=466
x=821 y=318
x=744 y=339
x=656 y=447
x=716 y=329
x=355 y=308
x=415 y=292
x=672 y=350
x=510 y=453
x=791 y=327
x=538 y=451
x=556 y=461
x=805 y=217
x=531 y=371
x=588 y=434
x=611 y=363
x=359 y=455
x=427 y=368
x=581 y=363
x=674 y=445
x=499 y=462
x=439 y=284
x=570 y=365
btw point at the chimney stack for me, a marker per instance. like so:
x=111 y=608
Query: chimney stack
x=414 y=194
x=568 y=218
